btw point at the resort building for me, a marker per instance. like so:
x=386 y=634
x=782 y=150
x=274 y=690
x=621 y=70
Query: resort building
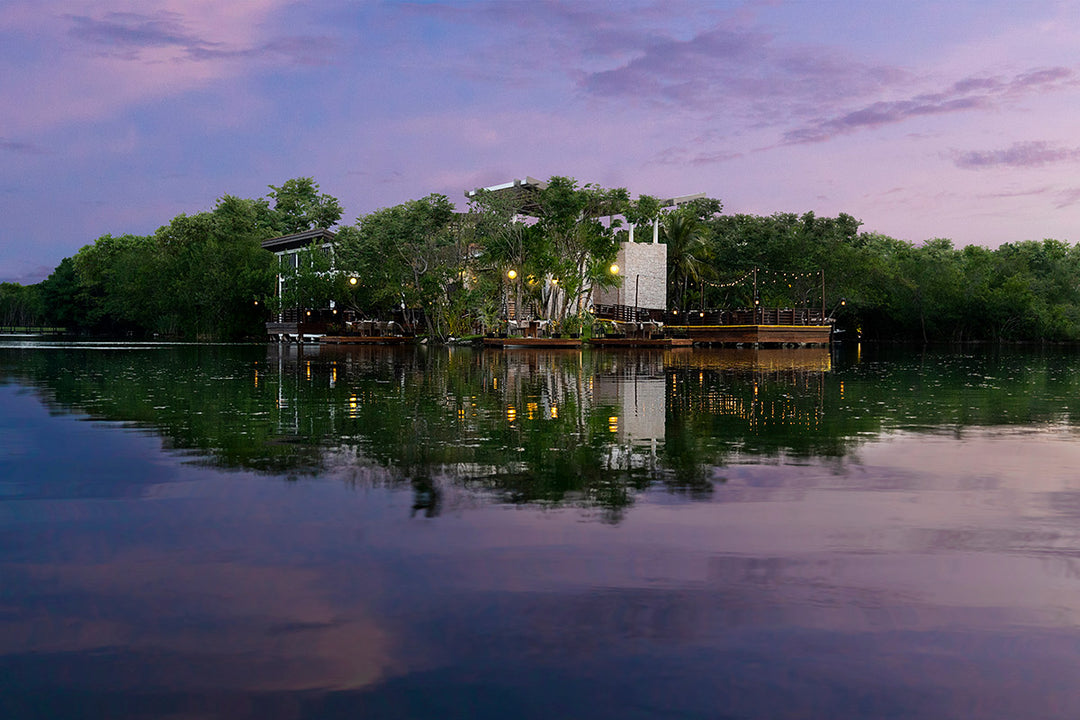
x=640 y=267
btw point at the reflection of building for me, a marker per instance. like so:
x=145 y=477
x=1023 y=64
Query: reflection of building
x=636 y=385
x=641 y=403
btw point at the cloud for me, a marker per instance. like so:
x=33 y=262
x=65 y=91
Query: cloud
x=28 y=277
x=962 y=96
x=126 y=31
x=1067 y=198
x=125 y=35
x=729 y=68
x=1034 y=192
x=684 y=156
x=1021 y=154
x=21 y=148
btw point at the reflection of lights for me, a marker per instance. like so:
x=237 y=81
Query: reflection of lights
x=495 y=383
x=554 y=413
x=307 y=366
x=530 y=409
x=511 y=414
x=461 y=414
x=333 y=376
x=352 y=406
x=257 y=381
x=613 y=423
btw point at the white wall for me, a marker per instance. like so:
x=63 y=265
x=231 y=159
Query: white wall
x=642 y=266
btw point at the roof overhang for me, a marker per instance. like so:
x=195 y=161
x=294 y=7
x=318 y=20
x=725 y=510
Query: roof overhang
x=516 y=185
x=296 y=241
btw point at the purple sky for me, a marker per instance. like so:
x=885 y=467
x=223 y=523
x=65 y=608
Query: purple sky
x=923 y=119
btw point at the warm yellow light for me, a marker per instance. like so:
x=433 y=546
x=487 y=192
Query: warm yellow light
x=353 y=281
x=554 y=281
x=614 y=269
x=511 y=274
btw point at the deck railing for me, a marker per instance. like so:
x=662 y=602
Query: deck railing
x=744 y=316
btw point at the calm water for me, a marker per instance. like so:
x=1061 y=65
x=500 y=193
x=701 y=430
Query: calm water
x=243 y=532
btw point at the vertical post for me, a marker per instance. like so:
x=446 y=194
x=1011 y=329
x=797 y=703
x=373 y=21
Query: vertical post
x=656 y=230
x=637 y=279
x=756 y=303
x=823 y=296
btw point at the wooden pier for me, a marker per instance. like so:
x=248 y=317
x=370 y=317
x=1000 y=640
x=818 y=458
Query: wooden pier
x=757 y=334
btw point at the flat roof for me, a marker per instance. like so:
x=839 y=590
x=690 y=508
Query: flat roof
x=526 y=183
x=298 y=240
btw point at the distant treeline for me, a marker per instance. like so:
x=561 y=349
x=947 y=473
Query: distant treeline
x=205 y=276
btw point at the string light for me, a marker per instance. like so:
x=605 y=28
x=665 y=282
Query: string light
x=767 y=276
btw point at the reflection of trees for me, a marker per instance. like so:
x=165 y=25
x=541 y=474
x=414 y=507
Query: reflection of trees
x=556 y=427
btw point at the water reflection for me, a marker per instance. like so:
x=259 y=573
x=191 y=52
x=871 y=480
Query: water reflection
x=551 y=427
x=798 y=535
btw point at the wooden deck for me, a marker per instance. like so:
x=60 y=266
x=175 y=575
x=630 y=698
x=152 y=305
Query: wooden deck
x=757 y=334
x=543 y=342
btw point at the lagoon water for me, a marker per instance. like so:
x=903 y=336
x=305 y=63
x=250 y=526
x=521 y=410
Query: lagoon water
x=265 y=532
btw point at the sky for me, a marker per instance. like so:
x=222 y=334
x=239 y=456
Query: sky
x=921 y=119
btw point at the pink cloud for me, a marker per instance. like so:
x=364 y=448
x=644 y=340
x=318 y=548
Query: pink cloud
x=962 y=96
x=1020 y=154
x=108 y=60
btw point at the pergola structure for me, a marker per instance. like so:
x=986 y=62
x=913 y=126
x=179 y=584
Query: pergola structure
x=287 y=249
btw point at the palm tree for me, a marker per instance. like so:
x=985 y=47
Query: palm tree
x=684 y=235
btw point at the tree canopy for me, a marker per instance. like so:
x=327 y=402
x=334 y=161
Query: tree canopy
x=541 y=252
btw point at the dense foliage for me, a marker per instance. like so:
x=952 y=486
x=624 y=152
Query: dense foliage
x=444 y=273
x=201 y=276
